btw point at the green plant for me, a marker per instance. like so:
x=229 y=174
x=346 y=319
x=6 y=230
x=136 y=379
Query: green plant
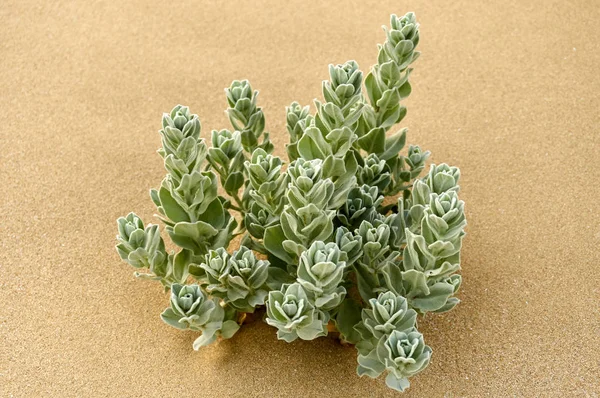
x=321 y=249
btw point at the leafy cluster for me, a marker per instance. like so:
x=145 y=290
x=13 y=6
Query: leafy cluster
x=321 y=248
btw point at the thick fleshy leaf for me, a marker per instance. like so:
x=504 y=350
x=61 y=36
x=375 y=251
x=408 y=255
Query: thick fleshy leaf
x=273 y=242
x=172 y=319
x=394 y=144
x=180 y=265
x=234 y=182
x=170 y=206
x=229 y=328
x=373 y=141
x=399 y=384
x=347 y=317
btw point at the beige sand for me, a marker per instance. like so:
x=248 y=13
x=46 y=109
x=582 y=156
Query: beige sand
x=507 y=91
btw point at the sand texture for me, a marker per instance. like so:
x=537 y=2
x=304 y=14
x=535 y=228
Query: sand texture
x=506 y=90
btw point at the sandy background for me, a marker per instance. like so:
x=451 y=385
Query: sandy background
x=507 y=91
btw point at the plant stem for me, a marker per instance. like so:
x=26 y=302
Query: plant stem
x=240 y=205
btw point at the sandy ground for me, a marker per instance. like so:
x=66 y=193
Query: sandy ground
x=506 y=90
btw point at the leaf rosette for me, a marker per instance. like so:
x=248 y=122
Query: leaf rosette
x=386 y=313
x=320 y=273
x=402 y=353
x=442 y=178
x=239 y=279
x=361 y=205
x=290 y=311
x=190 y=308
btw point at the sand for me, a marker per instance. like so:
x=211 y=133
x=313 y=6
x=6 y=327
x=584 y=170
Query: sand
x=506 y=90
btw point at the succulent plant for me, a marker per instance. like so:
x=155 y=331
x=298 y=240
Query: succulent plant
x=442 y=178
x=191 y=309
x=386 y=313
x=178 y=127
x=296 y=117
x=144 y=248
x=267 y=182
x=257 y=219
x=239 y=279
x=374 y=173
x=305 y=219
x=349 y=243
x=290 y=311
x=444 y=219
x=344 y=88
x=227 y=159
x=377 y=254
x=362 y=205
x=320 y=273
x=402 y=354
x=246 y=117
x=349 y=238
x=141 y=248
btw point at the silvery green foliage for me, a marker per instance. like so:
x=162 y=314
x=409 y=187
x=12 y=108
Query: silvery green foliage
x=306 y=217
x=246 y=117
x=443 y=178
x=266 y=188
x=361 y=205
x=144 y=248
x=239 y=279
x=434 y=238
x=322 y=248
x=375 y=173
x=320 y=273
x=187 y=199
x=180 y=137
x=227 y=159
x=291 y=312
x=390 y=341
x=349 y=243
x=330 y=134
x=296 y=117
x=402 y=354
x=387 y=85
x=386 y=313
x=377 y=255
x=191 y=309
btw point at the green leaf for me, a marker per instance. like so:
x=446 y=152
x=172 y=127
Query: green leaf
x=234 y=182
x=193 y=236
x=348 y=315
x=415 y=283
x=229 y=328
x=292 y=150
x=404 y=90
x=170 y=318
x=172 y=209
x=396 y=383
x=214 y=214
x=180 y=265
x=393 y=278
x=154 y=197
x=309 y=149
x=373 y=141
x=373 y=90
x=436 y=299
x=333 y=167
x=273 y=241
x=394 y=144
x=366 y=282
x=278 y=277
